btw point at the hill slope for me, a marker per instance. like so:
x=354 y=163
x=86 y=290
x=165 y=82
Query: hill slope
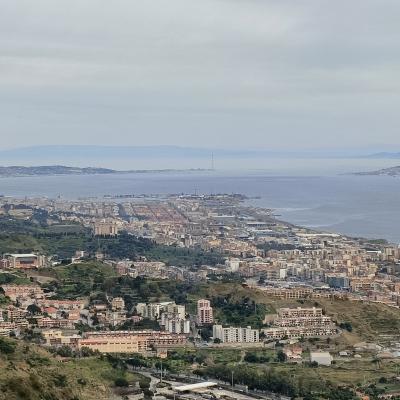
x=30 y=372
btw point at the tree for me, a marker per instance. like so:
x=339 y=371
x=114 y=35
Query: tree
x=121 y=382
x=346 y=326
x=33 y=309
x=251 y=358
x=281 y=356
x=65 y=351
x=60 y=380
x=206 y=333
x=6 y=346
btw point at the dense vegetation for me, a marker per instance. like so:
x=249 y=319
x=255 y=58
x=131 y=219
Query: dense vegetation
x=18 y=236
x=269 y=379
x=272 y=245
x=78 y=280
x=240 y=312
x=31 y=373
x=96 y=280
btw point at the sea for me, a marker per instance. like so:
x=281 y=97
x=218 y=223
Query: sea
x=314 y=194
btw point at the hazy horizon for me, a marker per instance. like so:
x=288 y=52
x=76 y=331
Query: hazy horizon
x=175 y=157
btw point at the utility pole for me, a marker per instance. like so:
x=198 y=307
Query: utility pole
x=161 y=373
x=232 y=377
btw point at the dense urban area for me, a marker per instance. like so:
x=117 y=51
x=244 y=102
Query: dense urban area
x=191 y=297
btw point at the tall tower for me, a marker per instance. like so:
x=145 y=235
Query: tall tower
x=212 y=162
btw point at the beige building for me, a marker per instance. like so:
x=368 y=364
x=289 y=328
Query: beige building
x=25 y=261
x=16 y=292
x=300 y=322
x=111 y=344
x=295 y=332
x=105 y=229
x=290 y=293
x=204 y=312
x=131 y=341
x=118 y=304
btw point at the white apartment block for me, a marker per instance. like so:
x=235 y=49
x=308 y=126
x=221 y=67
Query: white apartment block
x=235 y=335
x=153 y=310
x=177 y=325
x=177 y=310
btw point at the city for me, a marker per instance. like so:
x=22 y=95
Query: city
x=243 y=281
x=199 y=200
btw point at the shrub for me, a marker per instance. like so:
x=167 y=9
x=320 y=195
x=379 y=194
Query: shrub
x=6 y=346
x=121 y=382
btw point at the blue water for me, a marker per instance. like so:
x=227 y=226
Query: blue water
x=367 y=206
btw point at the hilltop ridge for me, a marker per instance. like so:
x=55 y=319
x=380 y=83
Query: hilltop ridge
x=392 y=171
x=48 y=170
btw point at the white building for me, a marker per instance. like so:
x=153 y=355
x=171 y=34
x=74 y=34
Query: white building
x=175 y=309
x=232 y=264
x=153 y=310
x=235 y=335
x=322 y=358
x=177 y=325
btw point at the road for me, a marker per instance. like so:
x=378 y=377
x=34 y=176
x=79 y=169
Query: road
x=222 y=390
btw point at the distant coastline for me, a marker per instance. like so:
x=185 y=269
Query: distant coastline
x=392 y=171
x=54 y=170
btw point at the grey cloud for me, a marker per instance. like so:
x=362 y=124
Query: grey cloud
x=237 y=72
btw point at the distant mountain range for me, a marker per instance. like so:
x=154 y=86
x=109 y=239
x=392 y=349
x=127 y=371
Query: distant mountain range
x=139 y=152
x=383 y=155
x=48 y=170
x=95 y=154
x=98 y=152
x=392 y=171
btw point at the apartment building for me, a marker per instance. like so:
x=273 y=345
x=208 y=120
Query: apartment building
x=105 y=229
x=154 y=310
x=64 y=305
x=117 y=304
x=111 y=344
x=204 y=312
x=56 y=337
x=177 y=325
x=290 y=293
x=45 y=322
x=300 y=322
x=7 y=327
x=235 y=335
x=300 y=312
x=338 y=281
x=25 y=261
x=16 y=292
x=131 y=342
x=362 y=284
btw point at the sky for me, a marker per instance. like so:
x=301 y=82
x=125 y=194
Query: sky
x=299 y=74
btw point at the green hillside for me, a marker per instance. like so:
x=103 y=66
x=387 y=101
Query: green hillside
x=30 y=372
